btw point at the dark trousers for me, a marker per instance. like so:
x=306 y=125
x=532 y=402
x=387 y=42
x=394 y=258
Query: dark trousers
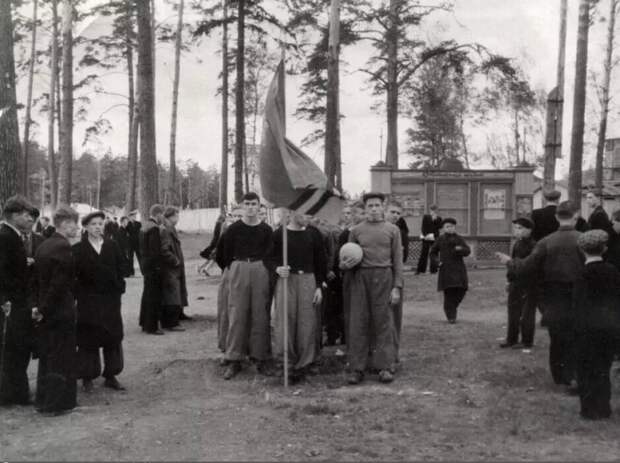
x=170 y=316
x=423 y=261
x=89 y=362
x=521 y=315
x=56 y=377
x=150 y=306
x=130 y=253
x=14 y=388
x=334 y=314
x=452 y=298
x=595 y=354
x=562 y=351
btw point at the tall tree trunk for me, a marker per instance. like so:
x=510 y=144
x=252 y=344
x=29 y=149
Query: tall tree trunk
x=553 y=147
x=9 y=128
x=602 y=131
x=149 y=172
x=134 y=122
x=172 y=179
x=28 y=121
x=517 y=136
x=51 y=116
x=392 y=87
x=240 y=102
x=333 y=164
x=66 y=132
x=223 y=199
x=579 y=105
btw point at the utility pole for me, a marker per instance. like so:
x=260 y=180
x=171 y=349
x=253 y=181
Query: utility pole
x=333 y=164
x=555 y=108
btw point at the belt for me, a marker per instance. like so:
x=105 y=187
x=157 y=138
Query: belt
x=298 y=272
x=247 y=259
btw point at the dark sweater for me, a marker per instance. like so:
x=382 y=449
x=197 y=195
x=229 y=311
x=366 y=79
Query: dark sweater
x=243 y=242
x=306 y=253
x=558 y=257
x=597 y=297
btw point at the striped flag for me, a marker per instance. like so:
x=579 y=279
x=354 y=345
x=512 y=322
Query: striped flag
x=289 y=178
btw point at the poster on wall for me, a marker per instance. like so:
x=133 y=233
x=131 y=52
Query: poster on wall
x=494 y=204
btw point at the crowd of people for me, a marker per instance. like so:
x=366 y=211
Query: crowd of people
x=340 y=284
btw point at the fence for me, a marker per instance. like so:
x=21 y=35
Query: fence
x=198 y=220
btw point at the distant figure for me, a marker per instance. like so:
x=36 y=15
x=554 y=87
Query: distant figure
x=110 y=229
x=544 y=219
x=431 y=224
x=150 y=248
x=133 y=229
x=124 y=244
x=598 y=220
x=262 y=214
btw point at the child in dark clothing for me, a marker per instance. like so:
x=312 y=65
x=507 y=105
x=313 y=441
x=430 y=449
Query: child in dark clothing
x=521 y=297
x=596 y=299
x=449 y=249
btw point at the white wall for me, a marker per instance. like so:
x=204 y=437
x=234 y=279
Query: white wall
x=198 y=220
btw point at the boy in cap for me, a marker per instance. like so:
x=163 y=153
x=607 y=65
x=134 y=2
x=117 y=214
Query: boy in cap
x=17 y=338
x=597 y=297
x=450 y=249
x=376 y=286
x=521 y=298
x=559 y=261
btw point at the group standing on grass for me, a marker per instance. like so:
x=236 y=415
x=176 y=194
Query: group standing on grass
x=61 y=303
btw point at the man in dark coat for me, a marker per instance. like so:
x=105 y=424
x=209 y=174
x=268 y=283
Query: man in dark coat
x=100 y=267
x=56 y=315
x=133 y=229
x=124 y=245
x=598 y=220
x=150 y=248
x=431 y=224
x=173 y=285
x=559 y=261
x=448 y=253
x=16 y=337
x=544 y=219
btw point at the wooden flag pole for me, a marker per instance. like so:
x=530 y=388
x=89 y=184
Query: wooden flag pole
x=285 y=295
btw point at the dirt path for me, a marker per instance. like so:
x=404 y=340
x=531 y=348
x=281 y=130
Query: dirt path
x=458 y=397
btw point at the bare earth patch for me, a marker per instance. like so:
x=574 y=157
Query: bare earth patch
x=457 y=397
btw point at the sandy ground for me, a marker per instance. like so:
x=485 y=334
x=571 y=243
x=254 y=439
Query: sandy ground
x=458 y=397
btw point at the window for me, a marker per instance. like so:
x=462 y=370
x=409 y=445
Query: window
x=453 y=201
x=495 y=209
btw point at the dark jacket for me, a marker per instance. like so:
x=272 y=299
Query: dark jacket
x=613 y=250
x=48 y=231
x=557 y=258
x=15 y=281
x=110 y=230
x=55 y=276
x=599 y=220
x=173 y=285
x=133 y=229
x=150 y=248
x=452 y=271
x=98 y=290
x=597 y=298
x=430 y=225
x=343 y=239
x=520 y=250
x=401 y=223
x=545 y=222
x=207 y=252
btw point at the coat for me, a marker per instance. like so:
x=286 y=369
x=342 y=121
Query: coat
x=98 y=290
x=401 y=223
x=545 y=222
x=133 y=229
x=596 y=300
x=15 y=286
x=55 y=276
x=452 y=271
x=150 y=254
x=173 y=284
x=430 y=225
x=599 y=220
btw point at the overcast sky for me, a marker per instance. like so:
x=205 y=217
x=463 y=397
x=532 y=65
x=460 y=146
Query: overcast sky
x=524 y=29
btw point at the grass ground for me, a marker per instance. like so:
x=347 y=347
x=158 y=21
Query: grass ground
x=458 y=397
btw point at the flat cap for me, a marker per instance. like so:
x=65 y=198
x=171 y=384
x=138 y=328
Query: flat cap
x=18 y=204
x=86 y=220
x=593 y=241
x=524 y=222
x=552 y=195
x=448 y=220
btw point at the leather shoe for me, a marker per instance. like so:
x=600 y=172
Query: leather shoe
x=156 y=332
x=186 y=317
x=504 y=345
x=385 y=376
x=175 y=328
x=113 y=383
x=355 y=378
x=232 y=369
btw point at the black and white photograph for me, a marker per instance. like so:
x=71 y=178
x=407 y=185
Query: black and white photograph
x=309 y=230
